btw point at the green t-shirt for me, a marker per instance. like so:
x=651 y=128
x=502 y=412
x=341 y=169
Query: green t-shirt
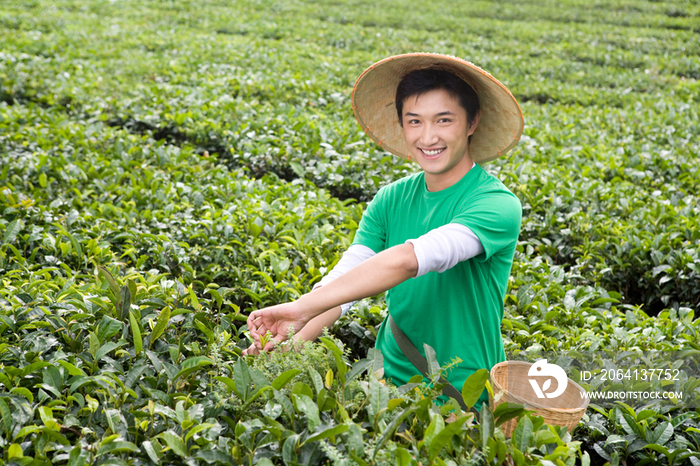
x=457 y=312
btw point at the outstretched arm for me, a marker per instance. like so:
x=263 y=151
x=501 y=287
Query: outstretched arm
x=351 y=258
x=373 y=276
x=438 y=250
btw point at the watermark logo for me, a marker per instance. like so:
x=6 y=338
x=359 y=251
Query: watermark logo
x=542 y=368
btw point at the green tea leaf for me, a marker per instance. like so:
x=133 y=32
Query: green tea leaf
x=94 y=343
x=241 y=376
x=134 y=375
x=113 y=285
x=76 y=246
x=107 y=348
x=444 y=436
x=51 y=433
x=53 y=377
x=193 y=364
x=437 y=423
x=507 y=411
x=523 y=434
x=21 y=391
x=545 y=436
x=6 y=418
x=151 y=451
x=289 y=455
x=136 y=333
x=108 y=328
x=230 y=384
x=337 y=355
x=198 y=428
x=125 y=302
x=217 y=456
x=330 y=432
x=161 y=324
x=355 y=440
x=208 y=333
x=72 y=370
x=12 y=230
x=117 y=447
x=662 y=434
x=259 y=379
x=358 y=368
x=658 y=448
x=78 y=456
x=26 y=430
x=45 y=413
x=391 y=428
x=15 y=451
x=194 y=302
x=284 y=378
x=175 y=443
x=300 y=388
x=431 y=357
x=378 y=396
x=315 y=379
x=307 y=406
x=474 y=386
x=486 y=426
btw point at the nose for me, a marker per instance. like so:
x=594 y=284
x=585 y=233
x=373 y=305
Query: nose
x=428 y=136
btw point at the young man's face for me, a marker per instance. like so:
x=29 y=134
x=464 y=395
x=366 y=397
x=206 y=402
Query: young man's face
x=437 y=134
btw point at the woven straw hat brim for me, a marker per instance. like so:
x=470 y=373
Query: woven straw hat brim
x=375 y=90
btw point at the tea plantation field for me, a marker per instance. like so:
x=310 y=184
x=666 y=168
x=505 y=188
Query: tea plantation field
x=167 y=166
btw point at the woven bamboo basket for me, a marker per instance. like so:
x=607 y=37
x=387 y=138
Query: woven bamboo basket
x=556 y=411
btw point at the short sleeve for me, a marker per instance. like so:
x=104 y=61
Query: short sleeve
x=495 y=219
x=372 y=231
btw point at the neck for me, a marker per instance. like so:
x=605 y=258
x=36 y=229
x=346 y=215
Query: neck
x=439 y=181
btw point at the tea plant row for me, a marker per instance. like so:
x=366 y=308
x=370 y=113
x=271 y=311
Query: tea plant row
x=166 y=167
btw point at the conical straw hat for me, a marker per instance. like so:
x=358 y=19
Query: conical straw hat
x=373 y=97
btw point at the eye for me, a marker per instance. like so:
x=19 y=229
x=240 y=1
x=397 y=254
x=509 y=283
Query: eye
x=444 y=120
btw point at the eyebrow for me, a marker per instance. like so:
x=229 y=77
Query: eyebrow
x=439 y=114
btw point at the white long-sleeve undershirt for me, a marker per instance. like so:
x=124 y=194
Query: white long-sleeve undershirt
x=442 y=248
x=436 y=251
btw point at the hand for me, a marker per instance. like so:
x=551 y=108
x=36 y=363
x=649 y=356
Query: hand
x=252 y=350
x=276 y=320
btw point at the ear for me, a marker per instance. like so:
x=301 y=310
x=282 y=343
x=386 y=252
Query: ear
x=474 y=123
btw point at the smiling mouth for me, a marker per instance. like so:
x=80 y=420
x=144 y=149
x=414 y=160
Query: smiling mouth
x=432 y=153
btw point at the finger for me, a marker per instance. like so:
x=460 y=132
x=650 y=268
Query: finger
x=252 y=350
x=259 y=333
x=254 y=325
x=250 y=322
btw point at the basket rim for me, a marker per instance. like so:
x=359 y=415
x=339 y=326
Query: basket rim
x=534 y=404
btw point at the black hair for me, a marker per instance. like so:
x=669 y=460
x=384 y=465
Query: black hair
x=419 y=82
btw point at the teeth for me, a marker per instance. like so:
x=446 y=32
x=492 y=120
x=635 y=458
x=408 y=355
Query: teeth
x=432 y=152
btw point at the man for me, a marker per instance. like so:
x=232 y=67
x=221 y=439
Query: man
x=440 y=242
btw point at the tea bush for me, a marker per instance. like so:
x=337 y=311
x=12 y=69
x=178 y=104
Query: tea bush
x=169 y=166
x=278 y=101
